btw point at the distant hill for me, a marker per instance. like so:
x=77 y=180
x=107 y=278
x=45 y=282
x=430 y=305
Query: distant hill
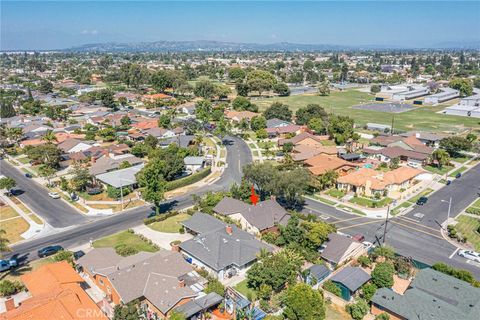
x=207 y=45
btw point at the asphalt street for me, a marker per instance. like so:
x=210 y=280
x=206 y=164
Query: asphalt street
x=238 y=155
x=414 y=235
x=55 y=211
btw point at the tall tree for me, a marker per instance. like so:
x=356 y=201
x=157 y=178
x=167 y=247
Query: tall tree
x=278 y=110
x=153 y=185
x=6 y=109
x=303 y=303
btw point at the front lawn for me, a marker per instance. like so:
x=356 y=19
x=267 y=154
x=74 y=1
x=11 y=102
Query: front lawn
x=396 y=210
x=424 y=193
x=459 y=170
x=461 y=158
x=246 y=291
x=371 y=203
x=329 y=202
x=127 y=238
x=7 y=212
x=335 y=193
x=170 y=225
x=441 y=171
x=14 y=228
x=468 y=226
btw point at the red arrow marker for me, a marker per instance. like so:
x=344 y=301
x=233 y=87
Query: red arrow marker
x=253 y=197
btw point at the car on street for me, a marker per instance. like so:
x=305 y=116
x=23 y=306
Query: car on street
x=151 y=214
x=470 y=255
x=48 y=251
x=358 y=237
x=78 y=254
x=28 y=175
x=7 y=264
x=54 y=195
x=458 y=175
x=422 y=200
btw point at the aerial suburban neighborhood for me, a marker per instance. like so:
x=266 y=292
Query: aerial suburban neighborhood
x=226 y=179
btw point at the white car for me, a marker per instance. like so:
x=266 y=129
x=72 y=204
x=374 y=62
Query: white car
x=54 y=195
x=470 y=255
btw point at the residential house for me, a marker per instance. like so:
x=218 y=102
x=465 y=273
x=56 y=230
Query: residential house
x=431 y=295
x=160 y=281
x=187 y=108
x=304 y=138
x=416 y=152
x=316 y=274
x=157 y=96
x=106 y=163
x=427 y=138
x=302 y=152
x=284 y=130
x=411 y=158
x=322 y=163
x=120 y=178
x=55 y=292
x=196 y=308
x=73 y=145
x=222 y=249
x=238 y=116
x=277 y=123
x=368 y=182
x=349 y=280
x=193 y=164
x=265 y=216
x=340 y=248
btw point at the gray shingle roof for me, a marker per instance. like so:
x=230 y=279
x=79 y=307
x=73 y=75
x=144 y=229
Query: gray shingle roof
x=351 y=277
x=198 y=305
x=201 y=222
x=155 y=276
x=265 y=214
x=432 y=296
x=336 y=247
x=218 y=249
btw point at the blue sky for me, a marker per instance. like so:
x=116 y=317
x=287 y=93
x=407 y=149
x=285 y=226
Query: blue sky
x=63 y=24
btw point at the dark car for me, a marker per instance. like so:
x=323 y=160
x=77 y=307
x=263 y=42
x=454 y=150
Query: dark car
x=152 y=214
x=48 y=251
x=422 y=200
x=78 y=254
x=28 y=175
x=458 y=175
x=449 y=182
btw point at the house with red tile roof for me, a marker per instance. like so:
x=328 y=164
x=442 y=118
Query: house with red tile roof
x=56 y=292
x=322 y=163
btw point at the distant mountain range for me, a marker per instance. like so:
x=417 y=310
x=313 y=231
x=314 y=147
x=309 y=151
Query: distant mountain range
x=206 y=45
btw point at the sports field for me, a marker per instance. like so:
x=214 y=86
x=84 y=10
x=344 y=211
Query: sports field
x=422 y=118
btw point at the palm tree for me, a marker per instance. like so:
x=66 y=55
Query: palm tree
x=14 y=134
x=49 y=136
x=441 y=156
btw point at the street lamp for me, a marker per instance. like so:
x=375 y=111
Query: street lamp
x=449 y=207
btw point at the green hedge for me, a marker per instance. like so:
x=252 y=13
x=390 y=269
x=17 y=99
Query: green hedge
x=332 y=288
x=473 y=210
x=175 y=184
x=160 y=217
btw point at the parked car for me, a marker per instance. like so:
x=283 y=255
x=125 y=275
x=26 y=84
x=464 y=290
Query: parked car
x=449 y=182
x=422 y=200
x=470 y=255
x=458 y=175
x=78 y=254
x=28 y=175
x=48 y=251
x=54 y=195
x=7 y=264
x=358 y=237
x=152 y=214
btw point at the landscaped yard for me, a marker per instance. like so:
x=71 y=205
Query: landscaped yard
x=246 y=291
x=104 y=196
x=7 y=212
x=334 y=312
x=170 y=225
x=118 y=207
x=459 y=170
x=397 y=209
x=461 y=158
x=422 y=118
x=441 y=171
x=468 y=226
x=424 y=193
x=335 y=193
x=14 y=228
x=124 y=238
x=24 y=160
x=371 y=203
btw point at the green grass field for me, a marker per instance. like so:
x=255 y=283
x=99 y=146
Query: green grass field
x=124 y=237
x=468 y=226
x=246 y=291
x=459 y=170
x=423 y=118
x=170 y=225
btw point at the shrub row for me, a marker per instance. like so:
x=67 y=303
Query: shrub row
x=160 y=217
x=175 y=184
x=473 y=210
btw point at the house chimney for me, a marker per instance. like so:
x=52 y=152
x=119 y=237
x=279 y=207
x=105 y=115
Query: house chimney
x=229 y=230
x=92 y=160
x=181 y=283
x=175 y=247
x=9 y=304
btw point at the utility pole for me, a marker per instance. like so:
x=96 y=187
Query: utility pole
x=386 y=222
x=393 y=120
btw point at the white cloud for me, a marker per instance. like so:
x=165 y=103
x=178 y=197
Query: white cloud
x=89 y=32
